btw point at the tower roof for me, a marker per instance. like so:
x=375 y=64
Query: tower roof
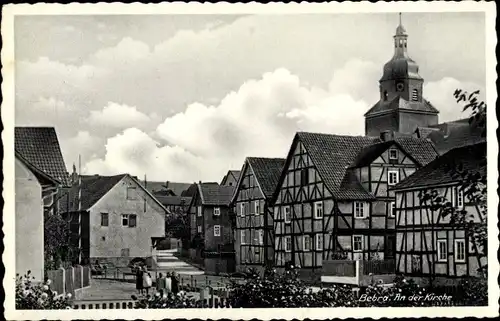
x=401 y=66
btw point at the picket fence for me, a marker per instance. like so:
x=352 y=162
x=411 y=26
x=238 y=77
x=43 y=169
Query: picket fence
x=69 y=280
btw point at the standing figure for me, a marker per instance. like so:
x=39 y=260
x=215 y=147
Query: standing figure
x=175 y=283
x=146 y=280
x=138 y=279
x=160 y=284
x=168 y=283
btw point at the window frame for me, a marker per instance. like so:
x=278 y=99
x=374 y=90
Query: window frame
x=459 y=198
x=199 y=210
x=317 y=238
x=104 y=215
x=362 y=242
x=389 y=177
x=132 y=218
x=242 y=209
x=363 y=205
x=289 y=216
x=414 y=94
x=261 y=237
x=395 y=150
x=288 y=237
x=308 y=238
x=217 y=211
x=256 y=207
x=243 y=237
x=134 y=196
x=200 y=229
x=316 y=210
x=456 y=252
x=219 y=229
x=438 y=248
x=392 y=209
x=125 y=217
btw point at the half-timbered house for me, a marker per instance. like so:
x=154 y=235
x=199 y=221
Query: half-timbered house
x=332 y=199
x=231 y=178
x=254 y=237
x=213 y=227
x=430 y=245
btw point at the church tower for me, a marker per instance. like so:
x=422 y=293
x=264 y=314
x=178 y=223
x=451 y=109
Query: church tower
x=401 y=107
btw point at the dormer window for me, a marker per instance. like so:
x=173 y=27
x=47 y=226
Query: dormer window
x=393 y=154
x=414 y=95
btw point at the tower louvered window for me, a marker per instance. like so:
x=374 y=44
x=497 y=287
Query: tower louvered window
x=414 y=95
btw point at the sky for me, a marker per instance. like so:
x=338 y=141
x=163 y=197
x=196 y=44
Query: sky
x=188 y=97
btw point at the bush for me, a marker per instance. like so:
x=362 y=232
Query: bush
x=32 y=295
x=168 y=301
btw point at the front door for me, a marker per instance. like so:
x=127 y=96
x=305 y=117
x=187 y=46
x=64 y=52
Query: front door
x=390 y=247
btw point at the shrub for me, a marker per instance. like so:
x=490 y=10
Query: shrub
x=32 y=295
x=168 y=301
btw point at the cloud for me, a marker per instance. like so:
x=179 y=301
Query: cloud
x=84 y=144
x=134 y=152
x=118 y=116
x=440 y=94
x=258 y=119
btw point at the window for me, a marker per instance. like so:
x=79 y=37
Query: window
x=242 y=209
x=393 y=153
x=392 y=209
x=200 y=212
x=131 y=193
x=261 y=237
x=442 y=249
x=124 y=219
x=256 y=207
x=104 y=219
x=319 y=241
x=304 y=176
x=385 y=95
x=414 y=95
x=359 y=209
x=460 y=250
x=288 y=217
x=217 y=211
x=357 y=243
x=132 y=220
x=393 y=177
x=306 y=240
x=318 y=210
x=243 y=237
x=129 y=220
x=460 y=198
x=200 y=230
x=288 y=243
x=216 y=230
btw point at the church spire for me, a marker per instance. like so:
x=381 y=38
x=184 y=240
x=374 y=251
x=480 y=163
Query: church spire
x=400 y=40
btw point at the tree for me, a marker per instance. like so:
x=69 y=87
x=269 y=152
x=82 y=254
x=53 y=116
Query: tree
x=177 y=224
x=58 y=247
x=472 y=183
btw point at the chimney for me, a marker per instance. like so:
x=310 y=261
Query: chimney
x=166 y=184
x=386 y=135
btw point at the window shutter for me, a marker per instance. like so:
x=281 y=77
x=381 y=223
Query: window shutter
x=132 y=221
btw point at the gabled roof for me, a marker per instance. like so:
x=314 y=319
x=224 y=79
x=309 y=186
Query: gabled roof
x=215 y=194
x=93 y=188
x=173 y=200
x=267 y=171
x=398 y=102
x=471 y=158
x=333 y=155
x=456 y=134
x=174 y=187
x=235 y=174
x=39 y=146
